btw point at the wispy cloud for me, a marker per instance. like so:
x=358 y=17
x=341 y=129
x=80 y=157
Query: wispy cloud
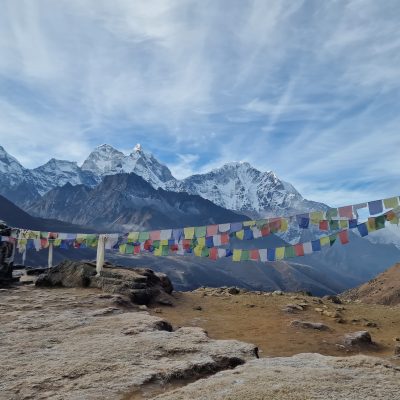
x=310 y=90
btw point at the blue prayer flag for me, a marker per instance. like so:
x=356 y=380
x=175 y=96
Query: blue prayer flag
x=248 y=234
x=316 y=245
x=362 y=229
x=375 y=207
x=271 y=255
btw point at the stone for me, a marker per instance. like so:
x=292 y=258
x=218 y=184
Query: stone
x=277 y=293
x=360 y=338
x=99 y=356
x=292 y=308
x=233 y=290
x=140 y=285
x=331 y=314
x=303 y=376
x=310 y=325
x=371 y=324
x=107 y=311
x=333 y=299
x=397 y=350
x=197 y=308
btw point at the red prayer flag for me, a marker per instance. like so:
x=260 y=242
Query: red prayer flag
x=299 y=249
x=224 y=238
x=346 y=212
x=323 y=225
x=155 y=235
x=213 y=253
x=212 y=230
x=254 y=254
x=265 y=231
x=136 y=249
x=344 y=237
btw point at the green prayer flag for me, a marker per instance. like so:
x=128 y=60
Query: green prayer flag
x=380 y=222
x=332 y=213
x=143 y=236
x=205 y=252
x=200 y=231
x=334 y=225
x=290 y=252
x=332 y=239
x=245 y=256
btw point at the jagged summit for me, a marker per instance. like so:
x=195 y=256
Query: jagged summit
x=236 y=185
x=138 y=148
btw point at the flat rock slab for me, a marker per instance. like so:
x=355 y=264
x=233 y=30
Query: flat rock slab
x=301 y=377
x=71 y=343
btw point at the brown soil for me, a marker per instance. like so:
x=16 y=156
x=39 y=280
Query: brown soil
x=260 y=319
x=384 y=289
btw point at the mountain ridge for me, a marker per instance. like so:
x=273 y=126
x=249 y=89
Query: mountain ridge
x=235 y=186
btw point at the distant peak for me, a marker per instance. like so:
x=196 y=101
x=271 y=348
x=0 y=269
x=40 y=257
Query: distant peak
x=138 y=148
x=105 y=147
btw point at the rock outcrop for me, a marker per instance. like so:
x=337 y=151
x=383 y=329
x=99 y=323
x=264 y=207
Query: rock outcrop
x=140 y=285
x=304 y=376
x=73 y=343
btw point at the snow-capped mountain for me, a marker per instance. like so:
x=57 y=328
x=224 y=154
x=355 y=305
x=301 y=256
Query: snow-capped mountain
x=238 y=186
x=105 y=160
x=60 y=172
x=234 y=186
x=16 y=182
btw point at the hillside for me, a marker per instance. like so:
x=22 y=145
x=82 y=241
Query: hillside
x=384 y=289
x=15 y=217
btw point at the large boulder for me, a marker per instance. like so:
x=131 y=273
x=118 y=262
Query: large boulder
x=356 y=339
x=141 y=285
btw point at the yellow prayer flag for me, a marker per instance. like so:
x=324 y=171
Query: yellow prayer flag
x=316 y=217
x=197 y=251
x=249 y=223
x=324 y=241
x=201 y=242
x=279 y=253
x=133 y=236
x=240 y=234
x=371 y=224
x=158 y=251
x=284 y=225
x=237 y=254
x=189 y=233
x=344 y=224
x=392 y=202
x=164 y=242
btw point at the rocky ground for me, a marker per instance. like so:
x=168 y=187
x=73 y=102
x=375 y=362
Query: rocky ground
x=70 y=343
x=284 y=324
x=301 y=377
x=383 y=289
x=93 y=340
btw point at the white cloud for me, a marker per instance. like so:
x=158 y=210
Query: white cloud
x=308 y=90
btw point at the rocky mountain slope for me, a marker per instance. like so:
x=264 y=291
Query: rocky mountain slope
x=127 y=202
x=15 y=217
x=383 y=289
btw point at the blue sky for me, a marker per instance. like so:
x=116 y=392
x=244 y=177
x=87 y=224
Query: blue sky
x=309 y=89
